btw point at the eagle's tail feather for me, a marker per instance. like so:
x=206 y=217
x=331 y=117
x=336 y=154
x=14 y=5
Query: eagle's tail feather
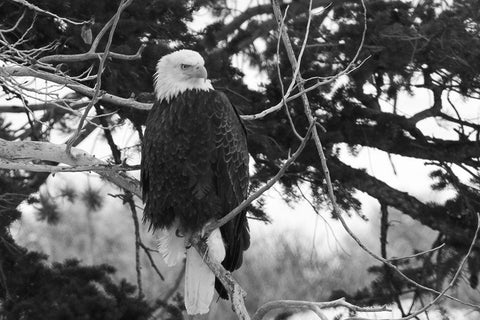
x=171 y=245
x=199 y=279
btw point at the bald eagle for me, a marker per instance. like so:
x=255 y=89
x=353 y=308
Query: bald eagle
x=194 y=169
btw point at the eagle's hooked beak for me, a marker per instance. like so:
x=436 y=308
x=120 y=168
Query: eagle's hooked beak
x=200 y=72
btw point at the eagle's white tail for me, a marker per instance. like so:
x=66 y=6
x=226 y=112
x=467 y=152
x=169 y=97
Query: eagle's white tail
x=199 y=279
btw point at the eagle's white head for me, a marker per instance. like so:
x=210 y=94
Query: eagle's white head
x=180 y=71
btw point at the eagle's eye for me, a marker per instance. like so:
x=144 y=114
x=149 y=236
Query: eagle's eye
x=184 y=66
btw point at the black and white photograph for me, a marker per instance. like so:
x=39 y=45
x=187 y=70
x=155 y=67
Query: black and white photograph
x=239 y=159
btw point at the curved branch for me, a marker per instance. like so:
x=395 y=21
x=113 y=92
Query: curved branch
x=394 y=140
x=44 y=151
x=296 y=7
x=263 y=310
x=430 y=215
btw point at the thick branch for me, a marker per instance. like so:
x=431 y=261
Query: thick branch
x=395 y=140
x=15 y=165
x=296 y=7
x=44 y=151
x=432 y=216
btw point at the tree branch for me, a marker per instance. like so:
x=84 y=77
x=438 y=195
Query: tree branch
x=296 y=7
x=98 y=84
x=17 y=71
x=69 y=58
x=16 y=165
x=37 y=9
x=235 y=292
x=44 y=151
x=314 y=306
x=430 y=215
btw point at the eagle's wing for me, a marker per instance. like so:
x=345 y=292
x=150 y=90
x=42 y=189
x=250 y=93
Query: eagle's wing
x=231 y=177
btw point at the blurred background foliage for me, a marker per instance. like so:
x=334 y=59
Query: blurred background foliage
x=411 y=49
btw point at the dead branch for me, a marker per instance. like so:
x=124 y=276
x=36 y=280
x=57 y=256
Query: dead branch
x=69 y=58
x=416 y=255
x=17 y=71
x=138 y=240
x=314 y=306
x=43 y=151
x=16 y=165
x=96 y=94
x=235 y=292
x=35 y=8
x=452 y=281
x=66 y=104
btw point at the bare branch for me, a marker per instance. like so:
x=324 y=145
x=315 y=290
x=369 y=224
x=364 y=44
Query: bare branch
x=44 y=151
x=124 y=4
x=299 y=80
x=15 y=26
x=314 y=306
x=72 y=84
x=261 y=9
x=65 y=58
x=16 y=165
x=48 y=13
x=150 y=258
x=138 y=267
x=416 y=255
x=454 y=278
x=65 y=104
x=235 y=292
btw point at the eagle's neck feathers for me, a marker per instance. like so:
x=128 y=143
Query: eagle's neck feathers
x=168 y=87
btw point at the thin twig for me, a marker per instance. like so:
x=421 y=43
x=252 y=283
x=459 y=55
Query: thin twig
x=72 y=58
x=175 y=285
x=98 y=84
x=152 y=262
x=37 y=9
x=416 y=255
x=138 y=266
x=280 y=78
x=263 y=310
x=17 y=71
x=3 y=282
x=454 y=279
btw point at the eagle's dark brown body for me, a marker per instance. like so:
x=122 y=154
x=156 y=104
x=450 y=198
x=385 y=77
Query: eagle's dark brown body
x=195 y=168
